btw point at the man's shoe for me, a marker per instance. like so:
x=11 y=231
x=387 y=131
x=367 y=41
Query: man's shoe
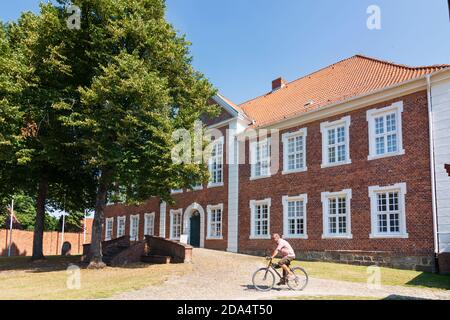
x=282 y=282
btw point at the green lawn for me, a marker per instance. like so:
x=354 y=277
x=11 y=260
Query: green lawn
x=48 y=280
x=389 y=276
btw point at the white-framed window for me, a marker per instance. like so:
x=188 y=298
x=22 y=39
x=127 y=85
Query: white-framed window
x=215 y=163
x=336 y=142
x=260 y=152
x=109 y=223
x=176 y=224
x=337 y=214
x=149 y=224
x=294 y=151
x=385 y=131
x=134 y=227
x=294 y=217
x=176 y=191
x=387 y=210
x=121 y=221
x=215 y=217
x=260 y=219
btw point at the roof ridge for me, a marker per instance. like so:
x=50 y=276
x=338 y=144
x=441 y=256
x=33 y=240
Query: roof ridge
x=401 y=65
x=343 y=60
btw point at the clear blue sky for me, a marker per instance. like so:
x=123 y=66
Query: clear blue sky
x=242 y=45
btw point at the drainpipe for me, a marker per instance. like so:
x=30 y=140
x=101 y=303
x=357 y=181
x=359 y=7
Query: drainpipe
x=433 y=170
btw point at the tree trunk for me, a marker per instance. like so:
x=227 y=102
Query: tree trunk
x=38 y=236
x=95 y=251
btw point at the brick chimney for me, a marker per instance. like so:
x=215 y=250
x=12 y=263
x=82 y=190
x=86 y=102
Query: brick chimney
x=278 y=84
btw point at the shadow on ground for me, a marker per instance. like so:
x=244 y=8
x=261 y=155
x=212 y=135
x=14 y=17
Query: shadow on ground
x=431 y=280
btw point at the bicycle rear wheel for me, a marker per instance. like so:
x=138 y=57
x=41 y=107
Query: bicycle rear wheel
x=300 y=281
x=263 y=279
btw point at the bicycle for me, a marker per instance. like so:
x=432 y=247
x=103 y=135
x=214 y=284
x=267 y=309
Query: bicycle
x=264 y=278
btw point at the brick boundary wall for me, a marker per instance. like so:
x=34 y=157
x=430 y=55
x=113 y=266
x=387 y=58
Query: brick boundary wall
x=22 y=242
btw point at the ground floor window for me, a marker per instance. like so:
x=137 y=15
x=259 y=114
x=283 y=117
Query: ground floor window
x=134 y=228
x=121 y=226
x=260 y=219
x=175 y=224
x=109 y=228
x=215 y=221
x=336 y=214
x=387 y=207
x=294 y=216
x=149 y=224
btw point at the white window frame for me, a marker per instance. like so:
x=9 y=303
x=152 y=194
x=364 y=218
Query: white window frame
x=176 y=191
x=397 y=109
x=253 y=204
x=219 y=158
x=401 y=188
x=285 y=138
x=172 y=213
x=119 y=219
x=109 y=227
x=347 y=193
x=324 y=127
x=147 y=217
x=209 y=210
x=286 y=200
x=254 y=145
x=136 y=237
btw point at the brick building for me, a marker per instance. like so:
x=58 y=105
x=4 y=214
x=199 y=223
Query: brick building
x=346 y=163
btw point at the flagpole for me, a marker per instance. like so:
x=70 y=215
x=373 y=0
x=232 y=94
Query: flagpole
x=63 y=222
x=11 y=226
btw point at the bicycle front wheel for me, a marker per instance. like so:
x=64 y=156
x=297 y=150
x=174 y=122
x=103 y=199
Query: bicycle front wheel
x=300 y=281
x=263 y=279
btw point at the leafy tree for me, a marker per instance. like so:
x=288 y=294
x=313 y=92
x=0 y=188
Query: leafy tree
x=40 y=156
x=136 y=86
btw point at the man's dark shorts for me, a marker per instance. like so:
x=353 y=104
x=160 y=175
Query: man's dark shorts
x=285 y=261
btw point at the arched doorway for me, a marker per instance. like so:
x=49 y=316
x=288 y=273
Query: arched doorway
x=194 y=225
x=194 y=233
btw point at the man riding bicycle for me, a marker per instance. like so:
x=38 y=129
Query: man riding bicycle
x=287 y=256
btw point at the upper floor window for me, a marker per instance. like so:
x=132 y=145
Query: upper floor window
x=215 y=221
x=175 y=224
x=385 y=131
x=134 y=228
x=260 y=219
x=216 y=163
x=336 y=214
x=387 y=207
x=121 y=226
x=294 y=216
x=336 y=142
x=294 y=151
x=176 y=191
x=260 y=158
x=109 y=228
x=149 y=224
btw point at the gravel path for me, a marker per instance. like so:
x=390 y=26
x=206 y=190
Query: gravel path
x=221 y=275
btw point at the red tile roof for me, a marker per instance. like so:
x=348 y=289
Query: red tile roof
x=338 y=82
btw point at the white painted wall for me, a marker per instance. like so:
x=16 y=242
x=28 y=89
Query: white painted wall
x=440 y=93
x=235 y=128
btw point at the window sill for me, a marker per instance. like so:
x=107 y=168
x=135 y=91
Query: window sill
x=260 y=177
x=215 y=185
x=214 y=238
x=294 y=171
x=296 y=237
x=389 y=236
x=260 y=237
x=386 y=155
x=342 y=237
x=337 y=164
